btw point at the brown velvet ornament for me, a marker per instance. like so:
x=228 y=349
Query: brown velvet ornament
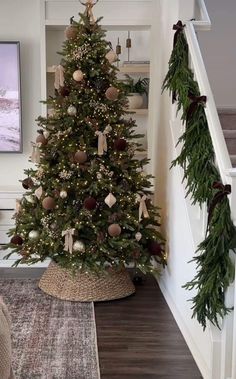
x=41 y=139
x=27 y=183
x=90 y=203
x=64 y=91
x=71 y=32
x=114 y=230
x=80 y=157
x=154 y=248
x=120 y=144
x=48 y=203
x=17 y=240
x=112 y=93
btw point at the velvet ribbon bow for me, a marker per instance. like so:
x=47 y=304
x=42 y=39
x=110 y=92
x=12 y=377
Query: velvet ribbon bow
x=68 y=234
x=179 y=28
x=223 y=191
x=59 y=76
x=194 y=104
x=142 y=207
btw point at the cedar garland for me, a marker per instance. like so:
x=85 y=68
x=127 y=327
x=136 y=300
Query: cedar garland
x=215 y=270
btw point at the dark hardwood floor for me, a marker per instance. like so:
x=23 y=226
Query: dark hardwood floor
x=139 y=339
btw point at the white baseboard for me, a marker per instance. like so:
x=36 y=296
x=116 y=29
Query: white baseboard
x=185 y=332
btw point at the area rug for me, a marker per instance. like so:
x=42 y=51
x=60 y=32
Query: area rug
x=52 y=339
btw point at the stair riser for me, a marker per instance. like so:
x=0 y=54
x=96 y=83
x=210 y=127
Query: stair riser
x=228 y=121
x=231 y=145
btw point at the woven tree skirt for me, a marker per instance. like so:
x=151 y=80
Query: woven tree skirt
x=59 y=282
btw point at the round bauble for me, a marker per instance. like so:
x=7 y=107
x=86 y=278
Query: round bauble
x=71 y=32
x=138 y=236
x=80 y=157
x=154 y=248
x=90 y=203
x=114 y=230
x=78 y=76
x=120 y=144
x=48 y=203
x=27 y=183
x=41 y=139
x=101 y=84
x=71 y=110
x=111 y=56
x=112 y=93
x=79 y=246
x=34 y=234
x=63 y=194
x=17 y=240
x=64 y=91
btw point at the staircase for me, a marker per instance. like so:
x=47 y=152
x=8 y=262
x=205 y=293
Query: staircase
x=228 y=123
x=185 y=224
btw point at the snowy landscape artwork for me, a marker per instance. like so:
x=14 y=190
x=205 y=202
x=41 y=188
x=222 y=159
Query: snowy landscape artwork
x=10 y=97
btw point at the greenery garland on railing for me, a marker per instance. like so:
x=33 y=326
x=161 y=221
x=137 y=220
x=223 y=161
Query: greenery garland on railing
x=215 y=270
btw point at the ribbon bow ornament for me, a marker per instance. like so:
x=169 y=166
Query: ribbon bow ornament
x=179 y=27
x=195 y=100
x=102 y=140
x=223 y=191
x=59 y=76
x=35 y=156
x=68 y=234
x=89 y=10
x=142 y=207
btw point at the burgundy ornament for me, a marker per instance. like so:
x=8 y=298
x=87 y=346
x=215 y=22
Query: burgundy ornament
x=27 y=183
x=120 y=144
x=17 y=240
x=64 y=91
x=90 y=203
x=155 y=248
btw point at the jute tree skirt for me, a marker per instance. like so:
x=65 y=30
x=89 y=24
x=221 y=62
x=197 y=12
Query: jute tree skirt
x=60 y=283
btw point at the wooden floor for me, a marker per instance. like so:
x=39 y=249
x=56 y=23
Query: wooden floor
x=139 y=339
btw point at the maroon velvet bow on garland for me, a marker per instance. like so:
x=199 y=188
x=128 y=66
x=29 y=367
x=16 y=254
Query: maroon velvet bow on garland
x=194 y=104
x=223 y=191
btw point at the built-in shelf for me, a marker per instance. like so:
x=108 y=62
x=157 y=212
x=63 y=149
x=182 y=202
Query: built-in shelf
x=135 y=69
x=141 y=112
x=127 y=69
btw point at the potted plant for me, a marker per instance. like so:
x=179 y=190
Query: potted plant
x=135 y=90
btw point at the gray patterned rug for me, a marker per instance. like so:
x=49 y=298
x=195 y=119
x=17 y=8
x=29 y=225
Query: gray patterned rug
x=52 y=339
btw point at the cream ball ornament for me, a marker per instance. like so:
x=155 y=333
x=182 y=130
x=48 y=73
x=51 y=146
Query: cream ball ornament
x=63 y=194
x=111 y=56
x=34 y=234
x=78 y=76
x=79 y=246
x=71 y=110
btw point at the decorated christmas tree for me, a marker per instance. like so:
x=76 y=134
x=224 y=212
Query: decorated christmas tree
x=88 y=201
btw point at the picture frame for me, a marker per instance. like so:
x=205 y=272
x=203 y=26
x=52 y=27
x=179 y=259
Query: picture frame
x=10 y=98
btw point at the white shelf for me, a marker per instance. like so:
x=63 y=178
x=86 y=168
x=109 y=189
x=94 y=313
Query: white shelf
x=128 y=69
x=141 y=112
x=135 y=69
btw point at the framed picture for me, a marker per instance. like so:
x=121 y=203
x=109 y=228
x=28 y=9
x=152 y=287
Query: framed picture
x=10 y=98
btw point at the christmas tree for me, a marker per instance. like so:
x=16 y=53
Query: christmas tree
x=88 y=202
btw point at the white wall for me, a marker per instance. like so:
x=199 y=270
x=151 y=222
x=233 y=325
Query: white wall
x=219 y=52
x=19 y=21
